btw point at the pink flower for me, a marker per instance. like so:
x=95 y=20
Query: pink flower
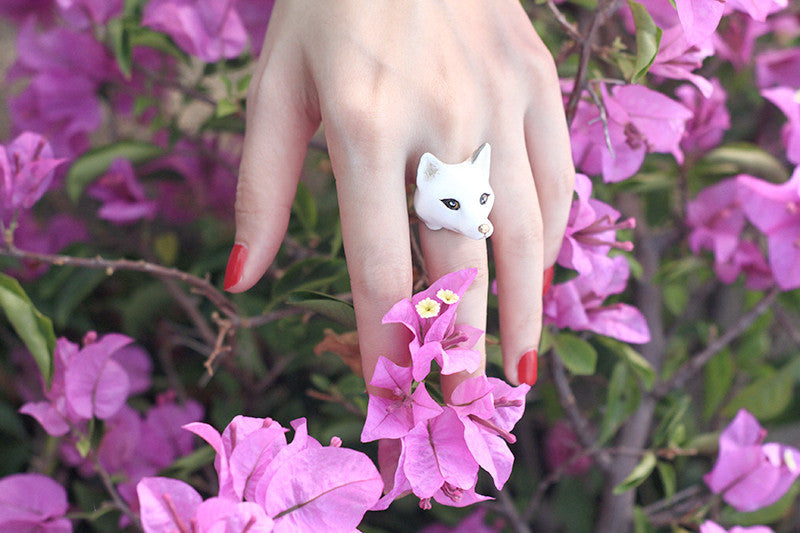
x=123 y=196
x=255 y=15
x=757 y=9
x=578 y=304
x=788 y=101
x=391 y=417
x=430 y=316
x=699 y=18
x=561 y=446
x=710 y=119
x=59 y=231
x=779 y=67
x=735 y=40
x=591 y=231
x=20 y=10
x=33 y=502
x=83 y=13
x=712 y=527
x=473 y=523
x=775 y=211
x=209 y=29
x=639 y=120
x=716 y=219
x=677 y=59
x=751 y=475
x=26 y=172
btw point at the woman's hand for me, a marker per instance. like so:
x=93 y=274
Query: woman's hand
x=391 y=80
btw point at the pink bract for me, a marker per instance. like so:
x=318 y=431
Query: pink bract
x=33 y=502
x=751 y=475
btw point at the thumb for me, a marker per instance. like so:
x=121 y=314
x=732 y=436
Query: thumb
x=279 y=127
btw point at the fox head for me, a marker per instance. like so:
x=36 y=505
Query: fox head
x=457 y=196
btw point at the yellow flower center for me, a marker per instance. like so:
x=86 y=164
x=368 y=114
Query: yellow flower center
x=428 y=308
x=447 y=296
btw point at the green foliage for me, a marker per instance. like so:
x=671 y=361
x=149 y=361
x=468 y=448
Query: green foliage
x=93 y=163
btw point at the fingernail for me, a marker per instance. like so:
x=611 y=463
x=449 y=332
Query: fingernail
x=548 y=279
x=233 y=272
x=528 y=367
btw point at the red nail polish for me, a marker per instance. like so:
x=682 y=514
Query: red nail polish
x=528 y=367
x=233 y=272
x=548 y=279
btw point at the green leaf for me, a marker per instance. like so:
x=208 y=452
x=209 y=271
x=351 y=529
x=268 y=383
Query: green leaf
x=193 y=462
x=745 y=158
x=768 y=396
x=621 y=401
x=672 y=419
x=641 y=524
x=80 y=285
x=648 y=38
x=641 y=367
x=226 y=107
x=639 y=473
x=668 y=479
x=95 y=162
x=719 y=373
x=578 y=356
x=310 y=274
x=35 y=329
x=121 y=45
x=337 y=310
x=143 y=36
x=305 y=208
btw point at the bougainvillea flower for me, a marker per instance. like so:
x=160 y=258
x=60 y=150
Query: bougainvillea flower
x=788 y=101
x=710 y=526
x=717 y=219
x=430 y=316
x=591 y=230
x=710 y=117
x=775 y=210
x=779 y=67
x=209 y=29
x=751 y=475
x=26 y=172
x=123 y=196
x=83 y=13
x=735 y=40
x=33 y=502
x=699 y=18
x=255 y=16
x=578 y=305
x=639 y=121
x=677 y=59
x=747 y=259
x=223 y=515
x=167 y=504
x=562 y=448
x=757 y=9
x=391 y=417
x=21 y=10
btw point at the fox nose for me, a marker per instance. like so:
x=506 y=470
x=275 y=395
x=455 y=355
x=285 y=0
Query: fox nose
x=485 y=228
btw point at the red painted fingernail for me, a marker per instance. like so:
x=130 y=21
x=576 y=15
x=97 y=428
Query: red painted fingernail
x=528 y=367
x=548 y=279
x=233 y=272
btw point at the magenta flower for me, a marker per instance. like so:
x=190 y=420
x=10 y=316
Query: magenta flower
x=473 y=523
x=677 y=59
x=391 y=417
x=26 y=172
x=757 y=9
x=699 y=18
x=123 y=197
x=20 y=10
x=710 y=119
x=83 y=13
x=59 y=231
x=208 y=29
x=640 y=121
x=33 y=502
x=430 y=316
x=779 y=67
x=255 y=15
x=751 y=475
x=561 y=446
x=788 y=101
x=712 y=527
x=735 y=41
x=591 y=231
x=716 y=219
x=578 y=305
x=775 y=211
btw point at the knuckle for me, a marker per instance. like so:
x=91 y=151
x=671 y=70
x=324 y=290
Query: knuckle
x=384 y=282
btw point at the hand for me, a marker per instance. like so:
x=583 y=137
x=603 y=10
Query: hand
x=390 y=81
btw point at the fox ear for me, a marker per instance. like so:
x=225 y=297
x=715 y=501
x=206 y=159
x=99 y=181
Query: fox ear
x=428 y=167
x=481 y=158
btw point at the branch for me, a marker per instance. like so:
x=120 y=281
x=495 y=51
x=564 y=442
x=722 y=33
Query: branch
x=201 y=285
x=569 y=27
x=699 y=360
x=570 y=406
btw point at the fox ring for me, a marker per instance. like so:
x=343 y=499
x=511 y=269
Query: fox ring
x=456 y=196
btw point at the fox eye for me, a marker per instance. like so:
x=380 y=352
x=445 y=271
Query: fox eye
x=451 y=203
x=484 y=198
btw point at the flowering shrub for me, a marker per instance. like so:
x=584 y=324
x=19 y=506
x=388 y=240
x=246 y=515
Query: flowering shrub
x=671 y=316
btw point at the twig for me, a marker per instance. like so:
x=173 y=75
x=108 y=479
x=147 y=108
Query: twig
x=570 y=406
x=105 y=477
x=201 y=285
x=699 y=360
x=517 y=522
x=569 y=27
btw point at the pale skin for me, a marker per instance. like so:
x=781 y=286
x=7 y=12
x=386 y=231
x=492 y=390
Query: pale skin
x=390 y=80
